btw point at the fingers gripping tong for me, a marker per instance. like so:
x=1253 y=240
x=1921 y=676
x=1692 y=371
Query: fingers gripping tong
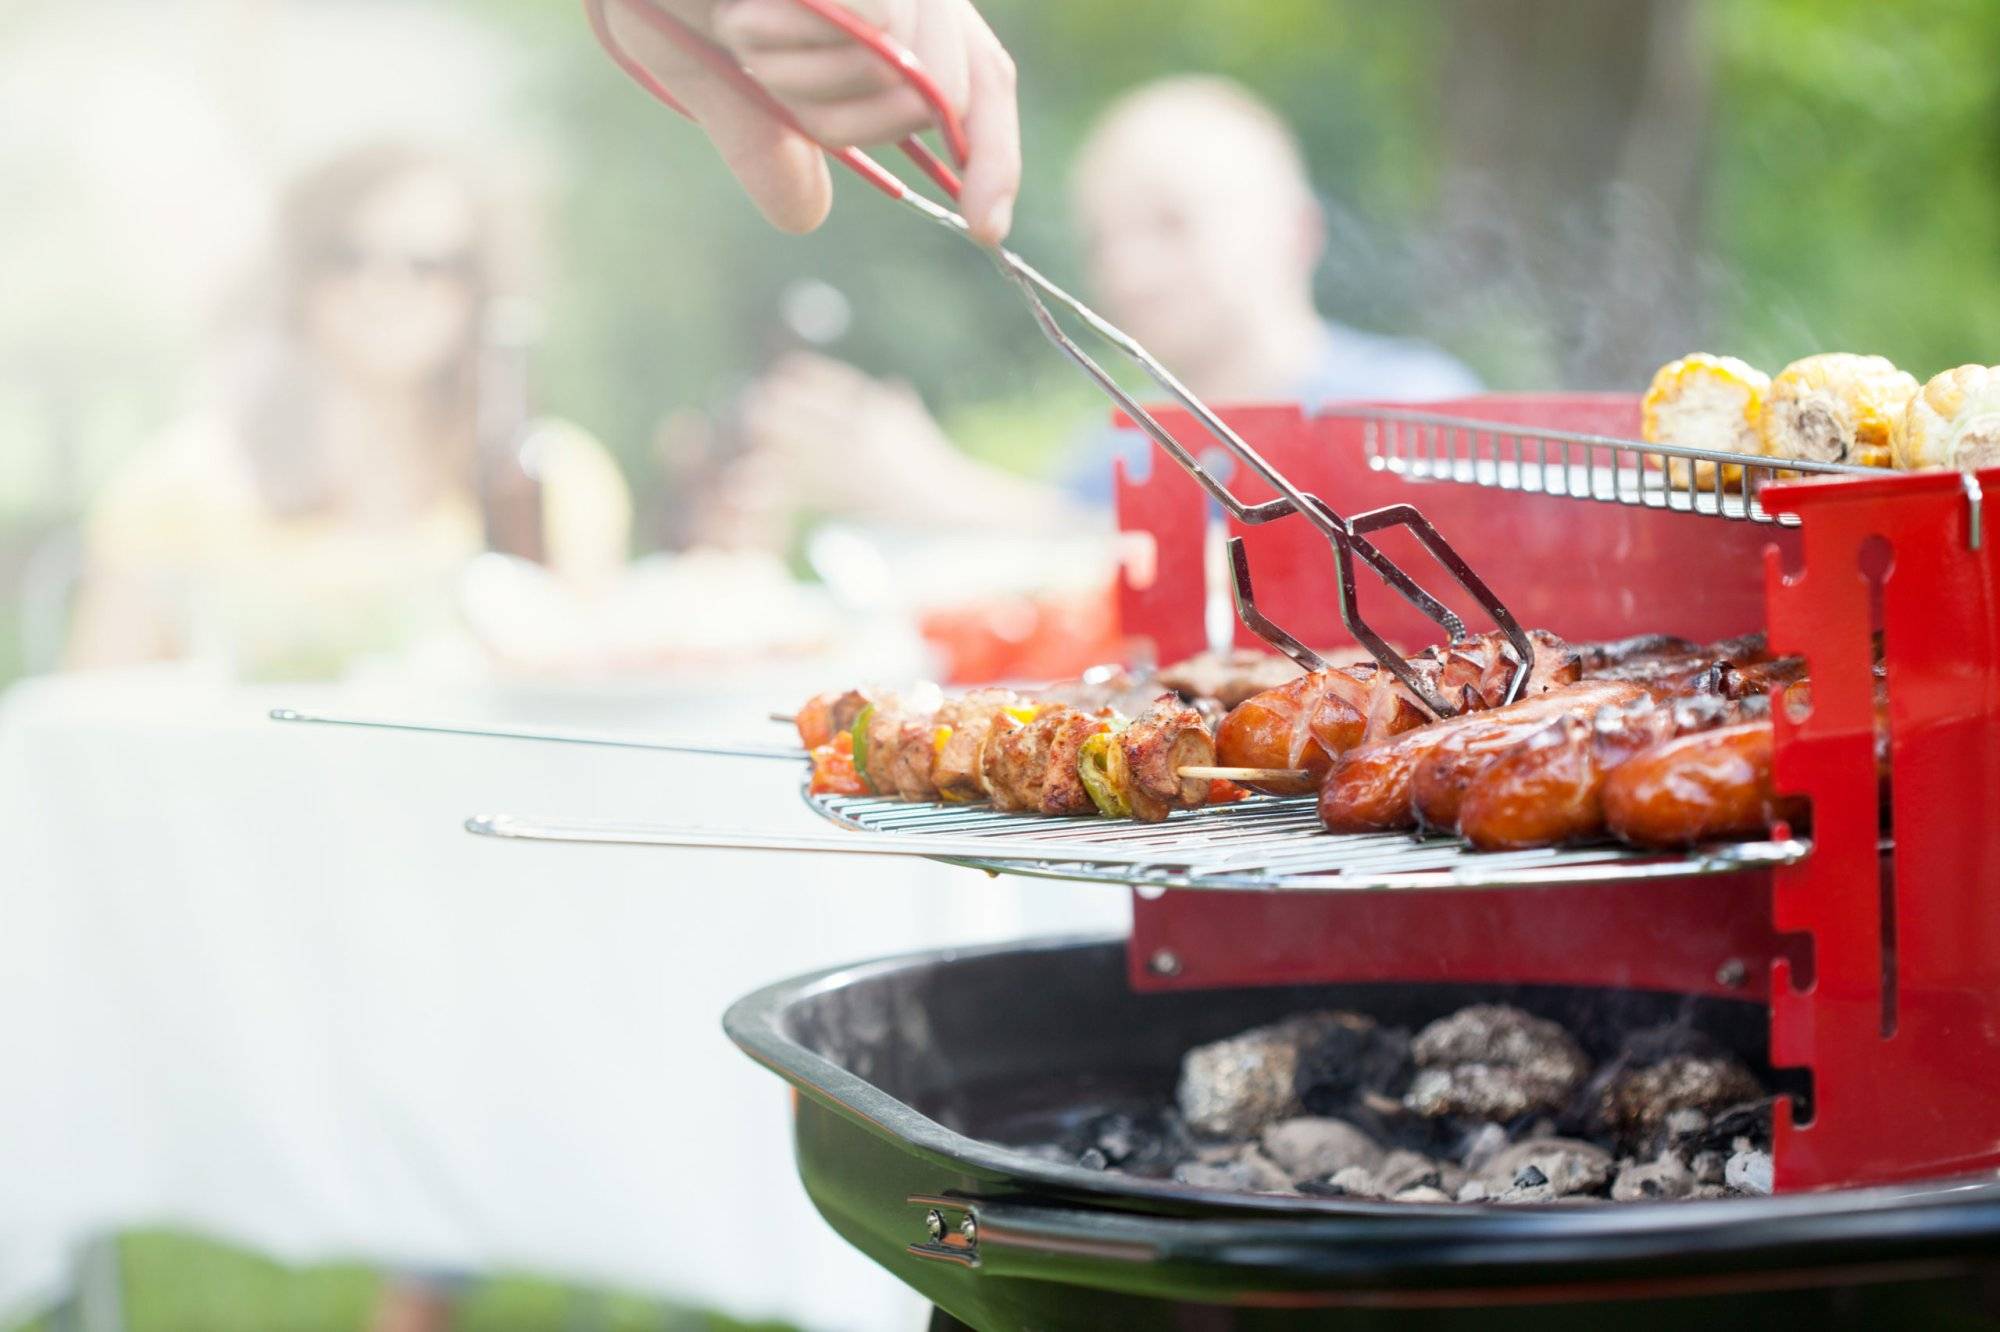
x=1349 y=537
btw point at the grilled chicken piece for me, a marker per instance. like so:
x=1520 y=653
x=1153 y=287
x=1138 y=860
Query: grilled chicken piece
x=972 y=722
x=1166 y=738
x=915 y=754
x=1062 y=787
x=1016 y=764
x=885 y=732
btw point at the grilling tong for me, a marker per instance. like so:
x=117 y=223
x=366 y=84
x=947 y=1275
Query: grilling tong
x=1349 y=537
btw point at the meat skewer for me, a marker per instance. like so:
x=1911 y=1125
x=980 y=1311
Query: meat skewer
x=1025 y=755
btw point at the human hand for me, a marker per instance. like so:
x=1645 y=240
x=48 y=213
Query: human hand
x=843 y=94
x=850 y=443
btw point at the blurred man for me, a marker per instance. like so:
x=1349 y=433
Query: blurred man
x=1202 y=235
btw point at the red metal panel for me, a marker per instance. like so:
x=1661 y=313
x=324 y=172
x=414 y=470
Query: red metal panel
x=1899 y=1027
x=1694 y=936
x=1167 y=514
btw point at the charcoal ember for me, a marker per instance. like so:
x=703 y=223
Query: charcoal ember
x=1401 y=1171
x=1639 y=1101
x=1481 y=1145
x=1493 y=1062
x=1748 y=1123
x=1565 y=1166
x=1232 y=1088
x=1246 y=1171
x=1141 y=1144
x=1354 y=1061
x=1316 y=1147
x=1666 y=1176
x=1353 y=1182
x=1748 y=1171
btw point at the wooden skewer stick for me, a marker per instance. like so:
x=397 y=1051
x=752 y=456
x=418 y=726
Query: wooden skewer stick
x=1199 y=773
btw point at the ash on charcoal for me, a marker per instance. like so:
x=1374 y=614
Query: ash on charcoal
x=1248 y=1171
x=1232 y=1088
x=1639 y=1102
x=1353 y=1062
x=1666 y=1176
x=1404 y=1170
x=1315 y=1148
x=1423 y=1194
x=1748 y=1124
x=1493 y=1062
x=1748 y=1171
x=1481 y=1145
x=1564 y=1165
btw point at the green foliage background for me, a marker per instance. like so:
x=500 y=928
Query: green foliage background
x=1853 y=201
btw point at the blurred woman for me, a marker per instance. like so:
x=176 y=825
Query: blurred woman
x=377 y=442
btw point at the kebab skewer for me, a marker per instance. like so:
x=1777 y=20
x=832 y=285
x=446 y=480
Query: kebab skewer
x=1024 y=755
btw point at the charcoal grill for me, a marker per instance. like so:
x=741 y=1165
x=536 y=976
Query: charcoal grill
x=902 y=1066
x=1862 y=971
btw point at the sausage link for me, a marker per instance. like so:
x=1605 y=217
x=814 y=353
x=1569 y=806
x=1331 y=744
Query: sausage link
x=1699 y=788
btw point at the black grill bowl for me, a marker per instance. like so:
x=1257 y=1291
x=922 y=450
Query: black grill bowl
x=893 y=1058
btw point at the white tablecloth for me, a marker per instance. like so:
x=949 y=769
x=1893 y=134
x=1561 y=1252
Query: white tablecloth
x=255 y=980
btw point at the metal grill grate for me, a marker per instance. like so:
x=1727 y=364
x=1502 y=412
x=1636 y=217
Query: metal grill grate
x=1261 y=844
x=1601 y=468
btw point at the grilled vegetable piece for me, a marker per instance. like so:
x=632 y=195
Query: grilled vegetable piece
x=1160 y=742
x=833 y=771
x=1705 y=402
x=1953 y=421
x=1835 y=407
x=1370 y=788
x=1548 y=789
x=1063 y=790
x=1095 y=767
x=827 y=715
x=1699 y=788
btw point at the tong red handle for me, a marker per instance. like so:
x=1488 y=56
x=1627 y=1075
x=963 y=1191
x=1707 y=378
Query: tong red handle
x=724 y=65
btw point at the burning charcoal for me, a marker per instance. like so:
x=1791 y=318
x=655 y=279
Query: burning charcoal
x=1493 y=1062
x=1637 y=1104
x=1684 y=1123
x=1750 y=1123
x=1667 y=1176
x=1482 y=1145
x=1355 y=1182
x=1353 y=1061
x=1232 y=1088
x=1565 y=1165
x=1748 y=1172
x=1249 y=1172
x=1314 y=1148
x=1401 y=1171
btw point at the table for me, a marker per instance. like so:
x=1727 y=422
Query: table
x=256 y=981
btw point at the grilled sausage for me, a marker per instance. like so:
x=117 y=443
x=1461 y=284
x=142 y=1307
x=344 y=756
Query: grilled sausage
x=1369 y=789
x=1309 y=722
x=1699 y=788
x=1441 y=776
x=1548 y=790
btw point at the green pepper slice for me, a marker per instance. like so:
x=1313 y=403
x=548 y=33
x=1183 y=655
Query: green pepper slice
x=859 y=734
x=1093 y=764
